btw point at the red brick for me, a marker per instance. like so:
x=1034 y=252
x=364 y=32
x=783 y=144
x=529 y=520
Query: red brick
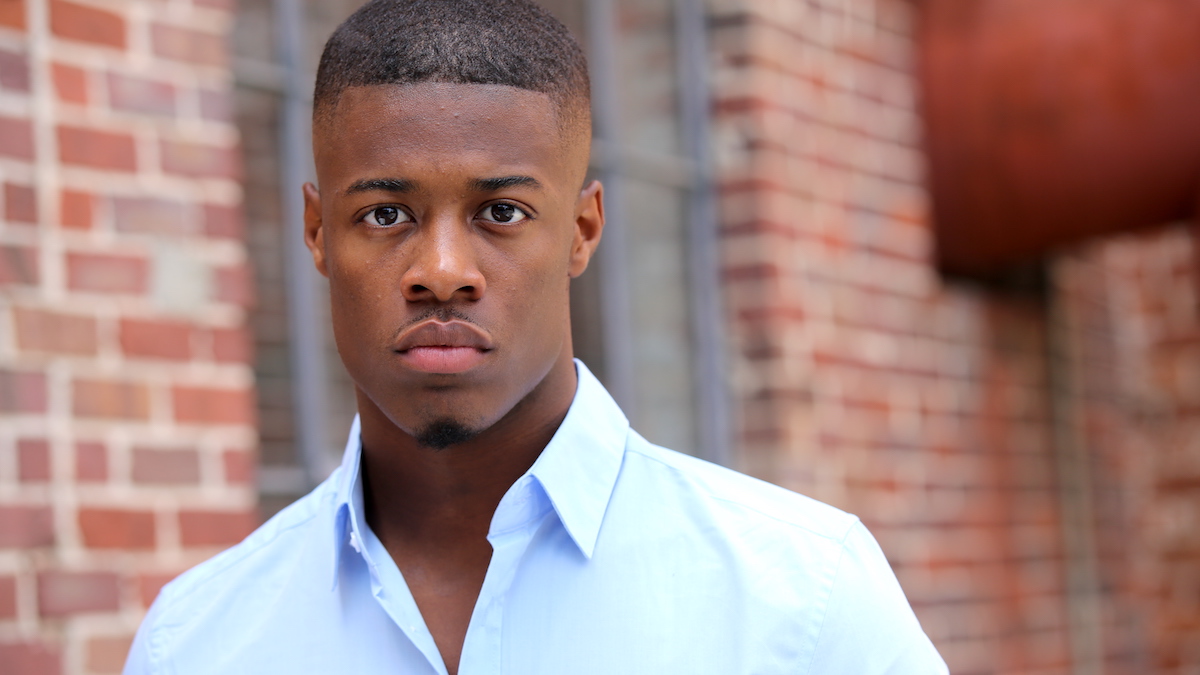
x=216 y=105
x=239 y=467
x=54 y=333
x=97 y=149
x=205 y=405
x=156 y=339
x=30 y=658
x=78 y=209
x=215 y=528
x=107 y=654
x=224 y=222
x=107 y=273
x=86 y=24
x=22 y=392
x=26 y=526
x=232 y=345
x=112 y=400
x=185 y=44
x=16 y=138
x=62 y=593
x=161 y=216
x=8 y=598
x=14 y=71
x=70 y=83
x=33 y=460
x=91 y=462
x=12 y=14
x=18 y=265
x=140 y=95
x=20 y=203
x=178 y=467
x=234 y=285
x=116 y=528
x=149 y=585
x=199 y=160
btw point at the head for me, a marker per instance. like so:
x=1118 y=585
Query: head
x=451 y=144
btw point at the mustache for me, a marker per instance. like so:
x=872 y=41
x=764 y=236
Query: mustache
x=444 y=314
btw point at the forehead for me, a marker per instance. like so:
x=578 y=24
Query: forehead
x=444 y=127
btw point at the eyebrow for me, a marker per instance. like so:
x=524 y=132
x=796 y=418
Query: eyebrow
x=393 y=185
x=495 y=184
x=403 y=186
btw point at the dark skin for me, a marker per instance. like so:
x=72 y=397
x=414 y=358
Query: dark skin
x=449 y=223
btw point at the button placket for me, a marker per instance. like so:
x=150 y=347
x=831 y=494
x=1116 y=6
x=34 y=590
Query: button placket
x=482 y=649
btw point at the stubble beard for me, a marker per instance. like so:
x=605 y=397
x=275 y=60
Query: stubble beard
x=443 y=433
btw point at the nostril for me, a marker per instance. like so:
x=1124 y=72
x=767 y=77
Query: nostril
x=418 y=292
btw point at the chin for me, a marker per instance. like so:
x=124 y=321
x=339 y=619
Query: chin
x=443 y=433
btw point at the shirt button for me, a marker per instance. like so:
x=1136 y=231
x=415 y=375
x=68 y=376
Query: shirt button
x=354 y=542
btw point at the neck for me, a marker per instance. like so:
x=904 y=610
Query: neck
x=421 y=498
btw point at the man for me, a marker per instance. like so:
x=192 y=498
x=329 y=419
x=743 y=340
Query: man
x=493 y=512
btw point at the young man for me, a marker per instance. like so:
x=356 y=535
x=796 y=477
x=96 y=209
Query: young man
x=494 y=512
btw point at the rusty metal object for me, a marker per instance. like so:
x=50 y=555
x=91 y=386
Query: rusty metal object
x=1050 y=121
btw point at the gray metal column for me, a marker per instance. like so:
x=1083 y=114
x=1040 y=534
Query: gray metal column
x=615 y=306
x=306 y=330
x=703 y=238
x=1063 y=364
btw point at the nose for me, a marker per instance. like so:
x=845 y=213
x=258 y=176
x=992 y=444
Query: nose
x=443 y=264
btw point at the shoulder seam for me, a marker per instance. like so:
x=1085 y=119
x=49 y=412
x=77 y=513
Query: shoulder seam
x=194 y=585
x=708 y=493
x=829 y=593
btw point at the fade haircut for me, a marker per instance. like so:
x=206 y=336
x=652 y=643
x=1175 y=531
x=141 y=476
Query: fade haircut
x=506 y=42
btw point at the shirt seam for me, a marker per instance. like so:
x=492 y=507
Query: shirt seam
x=152 y=649
x=174 y=596
x=828 y=594
x=715 y=497
x=233 y=560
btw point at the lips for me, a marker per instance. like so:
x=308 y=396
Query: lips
x=443 y=348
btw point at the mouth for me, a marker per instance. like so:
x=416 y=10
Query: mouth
x=443 y=348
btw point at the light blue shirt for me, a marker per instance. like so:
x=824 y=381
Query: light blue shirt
x=611 y=556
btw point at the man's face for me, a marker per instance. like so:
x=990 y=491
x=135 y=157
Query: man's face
x=449 y=222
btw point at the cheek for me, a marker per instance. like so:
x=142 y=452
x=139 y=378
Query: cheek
x=348 y=317
x=536 y=292
x=362 y=299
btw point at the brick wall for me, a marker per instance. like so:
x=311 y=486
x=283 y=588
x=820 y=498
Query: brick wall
x=259 y=105
x=1134 y=306
x=926 y=405
x=863 y=378
x=127 y=435
x=128 y=426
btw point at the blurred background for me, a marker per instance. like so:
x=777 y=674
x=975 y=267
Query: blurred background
x=931 y=261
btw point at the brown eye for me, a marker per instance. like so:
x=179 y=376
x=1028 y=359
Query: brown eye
x=385 y=216
x=503 y=213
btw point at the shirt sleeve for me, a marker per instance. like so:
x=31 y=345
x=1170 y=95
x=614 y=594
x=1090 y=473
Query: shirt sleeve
x=869 y=627
x=139 y=661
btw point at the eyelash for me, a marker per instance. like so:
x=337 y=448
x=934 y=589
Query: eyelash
x=402 y=214
x=527 y=213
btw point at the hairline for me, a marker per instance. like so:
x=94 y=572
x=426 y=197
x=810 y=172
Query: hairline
x=572 y=113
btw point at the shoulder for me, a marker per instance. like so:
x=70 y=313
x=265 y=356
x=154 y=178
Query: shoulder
x=226 y=600
x=253 y=567
x=808 y=569
x=718 y=491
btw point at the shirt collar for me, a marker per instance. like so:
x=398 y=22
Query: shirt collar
x=347 y=483
x=577 y=470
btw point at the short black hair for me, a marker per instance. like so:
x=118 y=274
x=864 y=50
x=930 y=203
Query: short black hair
x=506 y=42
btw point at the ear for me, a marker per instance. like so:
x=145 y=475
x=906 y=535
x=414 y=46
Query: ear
x=589 y=224
x=314 y=232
